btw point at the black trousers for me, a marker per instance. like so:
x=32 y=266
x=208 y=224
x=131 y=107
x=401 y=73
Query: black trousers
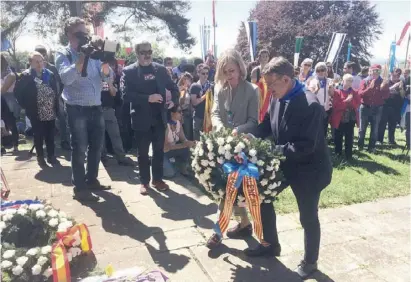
x=326 y=121
x=307 y=200
x=155 y=136
x=407 y=129
x=345 y=130
x=43 y=131
x=390 y=116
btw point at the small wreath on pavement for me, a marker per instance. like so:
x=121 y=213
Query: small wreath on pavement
x=34 y=236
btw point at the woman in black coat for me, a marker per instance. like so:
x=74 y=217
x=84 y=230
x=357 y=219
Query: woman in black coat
x=36 y=92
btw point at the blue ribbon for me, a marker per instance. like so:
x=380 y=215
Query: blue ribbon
x=20 y=202
x=244 y=169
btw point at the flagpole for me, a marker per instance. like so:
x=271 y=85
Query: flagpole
x=406 y=52
x=214 y=26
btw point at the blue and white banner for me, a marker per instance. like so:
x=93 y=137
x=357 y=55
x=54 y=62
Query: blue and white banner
x=251 y=29
x=337 y=40
x=392 y=56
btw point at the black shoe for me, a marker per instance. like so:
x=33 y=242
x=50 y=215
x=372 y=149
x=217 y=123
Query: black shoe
x=126 y=162
x=84 y=196
x=3 y=150
x=97 y=186
x=41 y=162
x=239 y=232
x=393 y=143
x=262 y=251
x=305 y=270
x=65 y=146
x=53 y=161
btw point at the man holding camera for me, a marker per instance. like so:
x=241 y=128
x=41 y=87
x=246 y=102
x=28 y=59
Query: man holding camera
x=144 y=85
x=82 y=96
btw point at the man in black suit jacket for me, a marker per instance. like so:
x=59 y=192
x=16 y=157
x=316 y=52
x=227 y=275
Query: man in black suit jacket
x=295 y=120
x=144 y=85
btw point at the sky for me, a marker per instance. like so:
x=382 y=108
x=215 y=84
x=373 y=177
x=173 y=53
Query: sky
x=229 y=15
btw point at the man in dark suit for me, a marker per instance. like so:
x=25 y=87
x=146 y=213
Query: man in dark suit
x=295 y=121
x=144 y=85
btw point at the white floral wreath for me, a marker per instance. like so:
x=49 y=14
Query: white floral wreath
x=36 y=260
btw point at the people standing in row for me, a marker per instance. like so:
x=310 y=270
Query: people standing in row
x=349 y=68
x=144 y=85
x=306 y=70
x=184 y=85
x=257 y=78
x=82 y=96
x=37 y=93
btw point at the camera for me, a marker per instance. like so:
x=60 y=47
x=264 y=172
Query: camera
x=97 y=48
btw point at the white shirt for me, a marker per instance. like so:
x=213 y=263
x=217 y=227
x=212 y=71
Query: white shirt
x=322 y=93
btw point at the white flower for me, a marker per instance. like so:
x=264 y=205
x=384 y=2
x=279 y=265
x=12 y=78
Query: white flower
x=75 y=251
x=42 y=260
x=22 y=211
x=35 y=207
x=9 y=211
x=22 y=260
x=212 y=163
x=269 y=168
x=272 y=175
x=210 y=156
x=252 y=153
x=7 y=217
x=262 y=197
x=32 y=252
x=276 y=167
x=201 y=152
x=254 y=160
x=40 y=214
x=261 y=171
x=45 y=250
x=228 y=156
x=69 y=257
x=62 y=214
x=260 y=163
x=9 y=254
x=230 y=139
x=267 y=201
x=5 y=264
x=63 y=219
x=208 y=171
x=278 y=183
x=221 y=192
x=53 y=213
x=274 y=193
x=2 y=225
x=242 y=145
x=220 y=160
x=220 y=141
x=36 y=269
x=238 y=149
x=241 y=198
x=17 y=270
x=227 y=147
x=198 y=167
x=275 y=162
x=48 y=272
x=221 y=150
x=272 y=186
x=204 y=163
x=53 y=222
x=210 y=146
x=264 y=182
x=267 y=192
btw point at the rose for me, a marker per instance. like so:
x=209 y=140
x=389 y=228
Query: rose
x=227 y=147
x=221 y=150
x=42 y=260
x=228 y=156
x=45 y=250
x=211 y=163
x=210 y=156
x=53 y=222
x=22 y=211
x=254 y=160
x=264 y=182
x=35 y=207
x=210 y=146
x=269 y=168
x=17 y=270
x=32 y=252
x=220 y=141
x=22 y=260
x=5 y=264
x=252 y=153
x=7 y=217
x=9 y=211
x=9 y=254
x=2 y=225
x=40 y=214
x=204 y=163
x=220 y=160
x=201 y=152
x=53 y=213
x=260 y=163
x=62 y=214
x=241 y=145
x=230 y=139
x=36 y=269
x=48 y=272
x=237 y=149
x=274 y=193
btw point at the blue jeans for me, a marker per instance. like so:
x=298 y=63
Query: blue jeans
x=369 y=114
x=181 y=155
x=62 y=122
x=87 y=135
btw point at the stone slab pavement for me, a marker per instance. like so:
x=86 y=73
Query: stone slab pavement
x=168 y=231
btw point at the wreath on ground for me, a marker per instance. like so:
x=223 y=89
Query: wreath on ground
x=29 y=232
x=216 y=150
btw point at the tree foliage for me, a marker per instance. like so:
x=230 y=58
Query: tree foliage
x=280 y=22
x=47 y=17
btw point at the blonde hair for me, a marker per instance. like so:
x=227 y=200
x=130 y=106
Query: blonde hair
x=183 y=78
x=320 y=65
x=307 y=61
x=229 y=56
x=33 y=54
x=347 y=76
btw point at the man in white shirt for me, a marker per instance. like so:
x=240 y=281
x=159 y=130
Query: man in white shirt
x=349 y=68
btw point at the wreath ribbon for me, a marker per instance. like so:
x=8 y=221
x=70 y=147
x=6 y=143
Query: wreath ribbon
x=59 y=262
x=247 y=174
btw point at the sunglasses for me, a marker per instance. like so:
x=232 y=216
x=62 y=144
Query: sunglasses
x=146 y=52
x=204 y=73
x=321 y=70
x=307 y=65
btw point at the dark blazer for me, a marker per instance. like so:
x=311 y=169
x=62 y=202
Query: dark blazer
x=300 y=136
x=141 y=115
x=25 y=92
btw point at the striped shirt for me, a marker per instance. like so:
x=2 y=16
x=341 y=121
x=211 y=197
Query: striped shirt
x=78 y=90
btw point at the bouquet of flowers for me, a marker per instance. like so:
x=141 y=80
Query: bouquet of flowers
x=217 y=149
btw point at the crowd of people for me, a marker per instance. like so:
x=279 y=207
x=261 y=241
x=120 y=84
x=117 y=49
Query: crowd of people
x=152 y=103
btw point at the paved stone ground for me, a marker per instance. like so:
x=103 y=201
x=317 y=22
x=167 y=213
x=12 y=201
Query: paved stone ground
x=362 y=242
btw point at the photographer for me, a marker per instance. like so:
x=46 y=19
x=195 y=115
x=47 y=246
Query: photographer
x=82 y=96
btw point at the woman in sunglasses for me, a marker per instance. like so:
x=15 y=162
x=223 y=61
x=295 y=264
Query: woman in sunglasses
x=176 y=145
x=305 y=70
x=323 y=87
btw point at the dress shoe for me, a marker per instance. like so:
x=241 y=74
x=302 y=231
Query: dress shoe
x=144 y=189
x=214 y=241
x=41 y=162
x=160 y=185
x=263 y=251
x=239 y=232
x=126 y=162
x=304 y=269
x=53 y=161
x=84 y=196
x=97 y=186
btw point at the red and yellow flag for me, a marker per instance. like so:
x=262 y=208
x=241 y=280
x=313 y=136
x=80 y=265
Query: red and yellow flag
x=207 y=126
x=264 y=101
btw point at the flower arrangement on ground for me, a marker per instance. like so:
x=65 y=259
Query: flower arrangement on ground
x=216 y=150
x=38 y=241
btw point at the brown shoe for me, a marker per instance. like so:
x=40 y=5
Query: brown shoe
x=214 y=241
x=239 y=232
x=160 y=185
x=144 y=189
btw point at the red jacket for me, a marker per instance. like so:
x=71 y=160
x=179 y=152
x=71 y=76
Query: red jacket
x=339 y=106
x=373 y=96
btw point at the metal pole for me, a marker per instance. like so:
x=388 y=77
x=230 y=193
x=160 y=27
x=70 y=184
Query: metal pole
x=406 y=52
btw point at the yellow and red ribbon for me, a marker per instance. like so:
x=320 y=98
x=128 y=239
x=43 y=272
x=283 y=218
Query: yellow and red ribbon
x=59 y=262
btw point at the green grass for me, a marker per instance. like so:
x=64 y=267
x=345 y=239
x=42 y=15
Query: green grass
x=369 y=177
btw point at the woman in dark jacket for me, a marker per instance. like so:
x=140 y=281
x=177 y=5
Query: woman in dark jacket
x=37 y=93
